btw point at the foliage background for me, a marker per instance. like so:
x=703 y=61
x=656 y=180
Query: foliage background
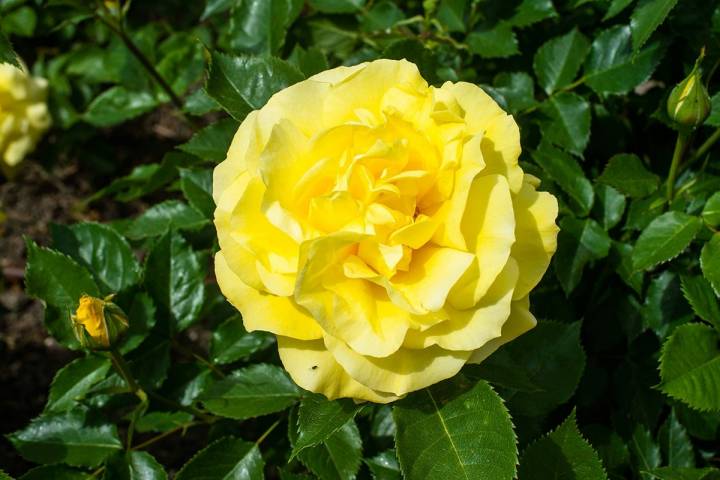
x=621 y=378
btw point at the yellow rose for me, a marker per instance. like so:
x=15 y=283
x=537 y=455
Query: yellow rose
x=23 y=114
x=381 y=228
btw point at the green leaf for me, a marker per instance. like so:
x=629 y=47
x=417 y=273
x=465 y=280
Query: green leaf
x=447 y=431
x=227 y=458
x=384 y=466
x=212 y=142
x=55 y=472
x=117 y=105
x=622 y=256
x=253 y=391
x=231 y=342
x=530 y=12
x=558 y=60
x=610 y=205
x=515 y=89
x=566 y=172
x=102 y=250
x=196 y=184
x=710 y=262
x=714 y=118
x=338 y=457
x=186 y=382
x=711 y=211
x=626 y=172
x=699 y=294
x=160 y=218
x=664 y=306
x=7 y=54
x=690 y=366
x=133 y=466
x=615 y=7
x=74 y=380
x=382 y=16
x=56 y=279
x=259 y=26
x=200 y=103
x=162 y=421
x=337 y=6
x=68 y=437
x=563 y=453
x=175 y=279
x=642 y=211
x=568 y=121
x=675 y=443
x=21 y=21
x=310 y=61
x=555 y=373
x=150 y=362
x=319 y=418
x=240 y=84
x=498 y=41
x=612 y=67
x=645 y=451
x=142 y=315
x=579 y=242
x=451 y=13
x=646 y=17
x=213 y=7
x=664 y=239
x=679 y=473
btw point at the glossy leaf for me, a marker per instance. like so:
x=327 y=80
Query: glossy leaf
x=55 y=472
x=568 y=124
x=384 y=466
x=133 y=466
x=175 y=279
x=74 y=380
x=240 y=84
x=227 y=458
x=7 y=54
x=675 y=443
x=231 y=342
x=319 y=418
x=253 y=391
x=118 y=105
x=498 y=41
x=611 y=66
x=646 y=17
x=579 y=243
x=196 y=184
x=558 y=60
x=665 y=238
x=690 y=366
x=699 y=293
x=469 y=429
x=160 y=218
x=338 y=457
x=212 y=142
x=69 y=437
x=56 y=278
x=563 y=453
x=610 y=205
x=104 y=252
x=566 y=172
x=627 y=173
x=711 y=211
x=710 y=262
x=162 y=421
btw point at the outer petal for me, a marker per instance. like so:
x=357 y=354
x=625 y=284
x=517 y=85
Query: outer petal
x=536 y=233
x=473 y=328
x=402 y=372
x=478 y=107
x=501 y=150
x=279 y=315
x=488 y=228
x=242 y=157
x=313 y=367
x=519 y=322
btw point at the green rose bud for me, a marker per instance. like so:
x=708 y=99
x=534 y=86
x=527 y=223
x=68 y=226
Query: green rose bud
x=98 y=323
x=689 y=102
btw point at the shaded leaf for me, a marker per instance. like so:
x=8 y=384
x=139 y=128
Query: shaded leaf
x=160 y=218
x=627 y=173
x=231 y=342
x=74 y=380
x=699 y=294
x=646 y=17
x=117 y=105
x=212 y=142
x=227 y=458
x=579 y=242
x=675 y=443
x=498 y=41
x=710 y=262
x=558 y=60
x=319 y=418
x=664 y=239
x=566 y=172
x=133 y=466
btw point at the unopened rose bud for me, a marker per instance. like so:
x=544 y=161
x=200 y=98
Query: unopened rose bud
x=689 y=102
x=98 y=323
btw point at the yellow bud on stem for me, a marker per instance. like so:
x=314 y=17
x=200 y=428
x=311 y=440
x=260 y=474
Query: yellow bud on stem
x=98 y=323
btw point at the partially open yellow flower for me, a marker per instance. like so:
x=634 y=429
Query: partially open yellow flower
x=381 y=228
x=98 y=323
x=24 y=116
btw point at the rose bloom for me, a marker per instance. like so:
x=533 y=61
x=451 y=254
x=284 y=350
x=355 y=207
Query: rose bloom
x=381 y=228
x=24 y=115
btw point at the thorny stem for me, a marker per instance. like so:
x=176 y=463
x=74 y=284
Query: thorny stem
x=680 y=146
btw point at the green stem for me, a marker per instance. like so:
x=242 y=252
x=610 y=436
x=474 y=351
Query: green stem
x=268 y=431
x=159 y=437
x=119 y=30
x=680 y=146
x=566 y=88
x=179 y=406
x=124 y=370
x=704 y=148
x=183 y=349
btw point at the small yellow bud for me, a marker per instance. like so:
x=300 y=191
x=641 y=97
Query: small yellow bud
x=689 y=102
x=98 y=323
